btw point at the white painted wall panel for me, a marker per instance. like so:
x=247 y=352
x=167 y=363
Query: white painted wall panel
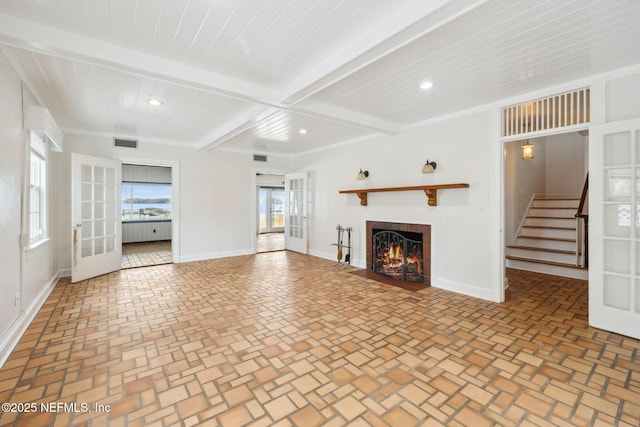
x=10 y=181
x=145 y=231
x=270 y=179
x=565 y=163
x=144 y=173
x=620 y=105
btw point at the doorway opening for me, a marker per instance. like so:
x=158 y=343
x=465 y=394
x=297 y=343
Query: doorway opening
x=545 y=214
x=545 y=146
x=147 y=215
x=270 y=213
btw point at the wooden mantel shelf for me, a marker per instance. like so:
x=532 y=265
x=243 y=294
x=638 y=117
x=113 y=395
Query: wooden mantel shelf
x=430 y=190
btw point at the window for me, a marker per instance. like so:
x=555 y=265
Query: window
x=38 y=188
x=146 y=202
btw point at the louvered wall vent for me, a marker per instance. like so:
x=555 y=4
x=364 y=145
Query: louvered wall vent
x=259 y=158
x=553 y=112
x=127 y=143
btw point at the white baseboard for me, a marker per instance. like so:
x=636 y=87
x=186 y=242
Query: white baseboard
x=214 y=255
x=465 y=289
x=332 y=256
x=11 y=338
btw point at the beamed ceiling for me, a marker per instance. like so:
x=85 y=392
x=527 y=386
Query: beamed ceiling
x=251 y=74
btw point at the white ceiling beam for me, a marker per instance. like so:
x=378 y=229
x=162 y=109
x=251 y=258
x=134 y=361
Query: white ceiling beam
x=340 y=115
x=232 y=128
x=47 y=40
x=404 y=26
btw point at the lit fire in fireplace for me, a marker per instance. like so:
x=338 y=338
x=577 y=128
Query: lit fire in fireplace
x=398 y=256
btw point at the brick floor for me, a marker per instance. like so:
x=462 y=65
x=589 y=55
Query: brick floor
x=268 y=242
x=281 y=339
x=142 y=254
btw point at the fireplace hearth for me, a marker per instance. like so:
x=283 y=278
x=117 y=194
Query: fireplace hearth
x=399 y=251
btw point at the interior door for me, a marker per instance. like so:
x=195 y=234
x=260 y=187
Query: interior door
x=95 y=216
x=614 y=265
x=295 y=188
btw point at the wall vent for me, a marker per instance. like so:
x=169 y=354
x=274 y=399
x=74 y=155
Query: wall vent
x=553 y=112
x=259 y=158
x=127 y=143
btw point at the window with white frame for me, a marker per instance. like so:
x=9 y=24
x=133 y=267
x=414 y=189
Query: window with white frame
x=38 y=188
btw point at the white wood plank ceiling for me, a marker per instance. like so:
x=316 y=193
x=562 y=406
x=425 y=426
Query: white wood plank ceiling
x=251 y=74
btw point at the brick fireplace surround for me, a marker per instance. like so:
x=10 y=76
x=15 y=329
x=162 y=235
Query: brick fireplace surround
x=400 y=227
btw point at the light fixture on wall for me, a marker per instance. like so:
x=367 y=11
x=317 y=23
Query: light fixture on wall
x=527 y=150
x=362 y=175
x=429 y=167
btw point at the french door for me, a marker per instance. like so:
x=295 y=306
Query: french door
x=96 y=222
x=295 y=188
x=270 y=209
x=614 y=266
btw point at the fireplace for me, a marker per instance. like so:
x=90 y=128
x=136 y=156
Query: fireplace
x=400 y=251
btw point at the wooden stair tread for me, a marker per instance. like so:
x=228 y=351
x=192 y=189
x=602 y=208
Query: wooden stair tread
x=539 y=261
x=554 y=227
x=556 y=198
x=550 y=217
x=537 y=248
x=559 y=239
x=555 y=207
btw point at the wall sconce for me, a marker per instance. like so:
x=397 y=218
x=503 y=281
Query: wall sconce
x=362 y=175
x=429 y=167
x=527 y=150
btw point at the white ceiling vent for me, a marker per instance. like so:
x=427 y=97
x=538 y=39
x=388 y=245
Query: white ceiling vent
x=259 y=158
x=126 y=143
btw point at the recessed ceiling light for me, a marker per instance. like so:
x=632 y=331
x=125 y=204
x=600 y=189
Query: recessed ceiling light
x=426 y=85
x=155 y=102
x=302 y=131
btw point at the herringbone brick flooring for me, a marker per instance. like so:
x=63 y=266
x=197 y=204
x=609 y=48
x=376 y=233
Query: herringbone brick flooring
x=268 y=242
x=142 y=254
x=281 y=339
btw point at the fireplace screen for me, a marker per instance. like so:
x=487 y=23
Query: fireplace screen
x=398 y=255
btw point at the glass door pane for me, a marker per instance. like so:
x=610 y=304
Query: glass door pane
x=262 y=210
x=277 y=209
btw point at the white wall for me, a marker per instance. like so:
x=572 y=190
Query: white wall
x=460 y=222
x=565 y=167
x=216 y=195
x=622 y=100
x=28 y=274
x=11 y=137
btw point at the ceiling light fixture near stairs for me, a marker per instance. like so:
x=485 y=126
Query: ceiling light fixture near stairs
x=527 y=150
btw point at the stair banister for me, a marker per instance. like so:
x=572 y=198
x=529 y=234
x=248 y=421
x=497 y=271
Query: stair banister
x=582 y=222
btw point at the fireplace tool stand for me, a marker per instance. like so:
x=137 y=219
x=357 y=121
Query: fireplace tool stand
x=341 y=246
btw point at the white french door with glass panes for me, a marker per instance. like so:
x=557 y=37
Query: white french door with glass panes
x=614 y=267
x=271 y=209
x=96 y=219
x=295 y=188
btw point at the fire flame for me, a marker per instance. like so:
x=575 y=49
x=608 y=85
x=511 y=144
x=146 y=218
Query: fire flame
x=394 y=258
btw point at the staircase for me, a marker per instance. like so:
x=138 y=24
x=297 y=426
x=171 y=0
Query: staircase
x=546 y=240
